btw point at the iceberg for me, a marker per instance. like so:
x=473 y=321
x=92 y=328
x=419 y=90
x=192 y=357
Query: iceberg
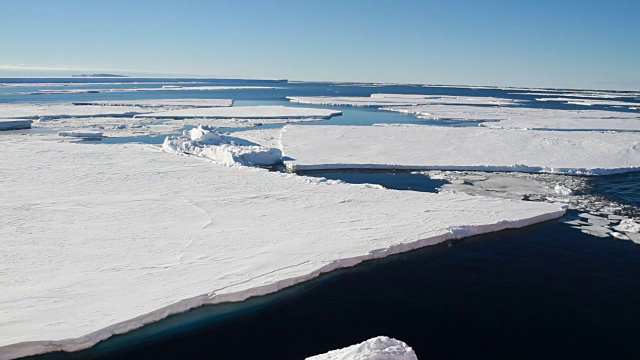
x=378 y=348
x=528 y=118
x=11 y=124
x=169 y=233
x=419 y=147
x=246 y=112
x=207 y=142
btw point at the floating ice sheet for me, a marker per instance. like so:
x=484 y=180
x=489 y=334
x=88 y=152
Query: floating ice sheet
x=376 y=100
x=189 y=103
x=66 y=110
x=443 y=148
x=528 y=118
x=589 y=102
x=168 y=233
x=246 y=112
x=378 y=348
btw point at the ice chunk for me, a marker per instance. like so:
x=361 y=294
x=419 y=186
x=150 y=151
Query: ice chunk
x=207 y=142
x=445 y=148
x=9 y=124
x=246 y=112
x=628 y=225
x=81 y=134
x=378 y=348
x=168 y=233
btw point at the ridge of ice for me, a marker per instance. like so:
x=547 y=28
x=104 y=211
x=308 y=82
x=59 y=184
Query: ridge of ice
x=462 y=148
x=207 y=142
x=170 y=233
x=378 y=348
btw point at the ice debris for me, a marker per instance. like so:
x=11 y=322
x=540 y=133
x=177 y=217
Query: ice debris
x=207 y=142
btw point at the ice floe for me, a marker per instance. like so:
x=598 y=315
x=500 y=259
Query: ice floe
x=66 y=110
x=377 y=100
x=171 y=103
x=378 y=348
x=163 y=88
x=168 y=233
x=590 y=102
x=266 y=113
x=467 y=148
x=10 y=124
x=528 y=118
x=207 y=142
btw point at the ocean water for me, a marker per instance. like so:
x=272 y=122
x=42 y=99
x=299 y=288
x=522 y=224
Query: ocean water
x=547 y=291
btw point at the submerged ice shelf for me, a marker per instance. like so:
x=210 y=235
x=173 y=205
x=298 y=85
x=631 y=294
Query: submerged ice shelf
x=168 y=233
x=445 y=148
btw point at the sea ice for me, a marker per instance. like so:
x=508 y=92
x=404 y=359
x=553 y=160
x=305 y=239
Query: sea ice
x=10 y=124
x=246 y=112
x=528 y=118
x=589 y=102
x=401 y=100
x=168 y=103
x=445 y=148
x=66 y=110
x=168 y=233
x=207 y=142
x=378 y=348
x=82 y=134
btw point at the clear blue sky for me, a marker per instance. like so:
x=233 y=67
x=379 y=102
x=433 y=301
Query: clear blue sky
x=592 y=44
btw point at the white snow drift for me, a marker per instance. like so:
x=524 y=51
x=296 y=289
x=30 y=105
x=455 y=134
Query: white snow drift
x=207 y=142
x=246 y=112
x=528 y=118
x=167 y=233
x=378 y=348
x=446 y=148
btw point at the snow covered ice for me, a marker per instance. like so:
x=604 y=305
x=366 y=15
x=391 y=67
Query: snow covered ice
x=378 y=348
x=376 y=100
x=168 y=233
x=528 y=118
x=207 y=142
x=170 y=103
x=445 y=148
x=66 y=110
x=246 y=112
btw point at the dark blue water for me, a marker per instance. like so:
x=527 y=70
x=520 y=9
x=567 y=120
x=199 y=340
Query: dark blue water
x=396 y=180
x=543 y=292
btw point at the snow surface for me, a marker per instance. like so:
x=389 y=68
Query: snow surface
x=528 y=118
x=400 y=100
x=11 y=124
x=168 y=233
x=378 y=348
x=246 y=112
x=462 y=148
x=192 y=103
x=53 y=111
x=207 y=142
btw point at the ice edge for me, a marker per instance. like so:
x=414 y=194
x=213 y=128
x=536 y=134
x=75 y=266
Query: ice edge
x=29 y=348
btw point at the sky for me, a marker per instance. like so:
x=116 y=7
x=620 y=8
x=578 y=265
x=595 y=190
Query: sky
x=567 y=44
